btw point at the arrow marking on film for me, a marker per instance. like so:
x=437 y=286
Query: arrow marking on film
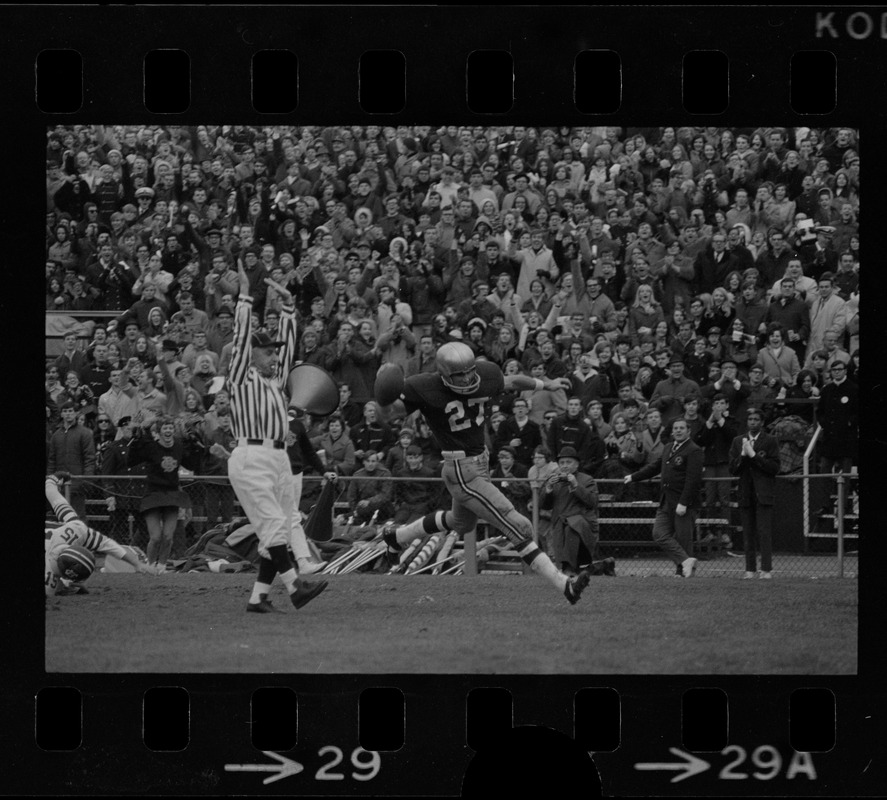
x=285 y=768
x=690 y=766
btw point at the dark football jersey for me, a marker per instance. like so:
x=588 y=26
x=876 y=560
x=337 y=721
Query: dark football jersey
x=457 y=420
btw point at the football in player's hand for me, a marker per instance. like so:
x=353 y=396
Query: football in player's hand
x=76 y=563
x=389 y=384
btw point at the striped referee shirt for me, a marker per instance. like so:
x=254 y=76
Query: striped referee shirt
x=259 y=405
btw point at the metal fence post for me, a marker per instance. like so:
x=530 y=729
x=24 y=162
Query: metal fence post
x=471 y=552
x=535 y=495
x=839 y=523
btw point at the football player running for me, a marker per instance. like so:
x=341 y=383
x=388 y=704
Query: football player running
x=73 y=532
x=457 y=403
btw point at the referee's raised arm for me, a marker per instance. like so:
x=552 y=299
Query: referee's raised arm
x=286 y=332
x=241 y=352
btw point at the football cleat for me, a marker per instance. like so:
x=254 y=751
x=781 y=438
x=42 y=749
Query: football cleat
x=306 y=592
x=575 y=587
x=389 y=536
x=688 y=567
x=264 y=606
x=307 y=567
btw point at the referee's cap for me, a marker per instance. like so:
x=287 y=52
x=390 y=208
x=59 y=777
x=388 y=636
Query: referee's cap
x=262 y=339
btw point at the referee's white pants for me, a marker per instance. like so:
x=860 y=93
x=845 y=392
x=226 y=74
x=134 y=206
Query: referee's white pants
x=262 y=480
x=297 y=538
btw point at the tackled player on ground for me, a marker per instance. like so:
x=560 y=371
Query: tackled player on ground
x=73 y=545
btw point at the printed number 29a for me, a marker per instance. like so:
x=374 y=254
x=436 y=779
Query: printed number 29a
x=459 y=418
x=768 y=763
x=366 y=761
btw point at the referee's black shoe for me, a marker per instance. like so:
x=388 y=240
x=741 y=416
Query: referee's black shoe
x=306 y=591
x=575 y=587
x=264 y=606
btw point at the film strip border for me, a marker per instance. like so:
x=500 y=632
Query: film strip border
x=575 y=61
x=373 y=736
x=436 y=44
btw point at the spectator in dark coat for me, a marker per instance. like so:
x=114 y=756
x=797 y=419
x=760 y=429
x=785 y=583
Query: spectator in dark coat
x=572 y=497
x=755 y=459
x=681 y=474
x=793 y=316
x=520 y=433
x=366 y=497
x=716 y=436
x=415 y=499
x=571 y=430
x=503 y=477
x=669 y=394
x=72 y=448
x=713 y=264
x=838 y=414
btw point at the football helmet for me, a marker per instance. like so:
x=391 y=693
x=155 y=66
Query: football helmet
x=76 y=563
x=457 y=367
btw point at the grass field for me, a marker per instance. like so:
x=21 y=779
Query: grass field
x=491 y=624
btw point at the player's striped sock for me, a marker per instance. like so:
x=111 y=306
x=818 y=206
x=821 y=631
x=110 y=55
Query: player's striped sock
x=434 y=522
x=542 y=565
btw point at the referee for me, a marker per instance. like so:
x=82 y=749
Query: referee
x=259 y=468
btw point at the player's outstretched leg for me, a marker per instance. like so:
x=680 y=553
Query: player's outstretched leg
x=542 y=565
x=396 y=536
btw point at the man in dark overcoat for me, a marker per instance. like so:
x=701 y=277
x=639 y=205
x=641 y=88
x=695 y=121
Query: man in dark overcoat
x=681 y=473
x=754 y=457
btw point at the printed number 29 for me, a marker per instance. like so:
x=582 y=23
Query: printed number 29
x=367 y=761
x=459 y=419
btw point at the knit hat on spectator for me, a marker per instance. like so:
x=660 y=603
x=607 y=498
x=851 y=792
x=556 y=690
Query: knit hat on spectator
x=213 y=232
x=224 y=311
x=414 y=450
x=406 y=432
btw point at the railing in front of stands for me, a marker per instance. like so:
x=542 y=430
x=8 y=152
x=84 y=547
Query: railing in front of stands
x=817 y=532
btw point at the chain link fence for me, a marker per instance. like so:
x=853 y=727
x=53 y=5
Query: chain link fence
x=815 y=524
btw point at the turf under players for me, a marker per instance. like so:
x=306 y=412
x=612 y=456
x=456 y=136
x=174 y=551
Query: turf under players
x=457 y=403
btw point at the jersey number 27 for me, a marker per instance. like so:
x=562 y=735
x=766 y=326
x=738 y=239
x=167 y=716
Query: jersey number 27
x=460 y=418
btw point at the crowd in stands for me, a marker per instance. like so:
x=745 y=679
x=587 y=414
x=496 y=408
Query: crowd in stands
x=662 y=270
